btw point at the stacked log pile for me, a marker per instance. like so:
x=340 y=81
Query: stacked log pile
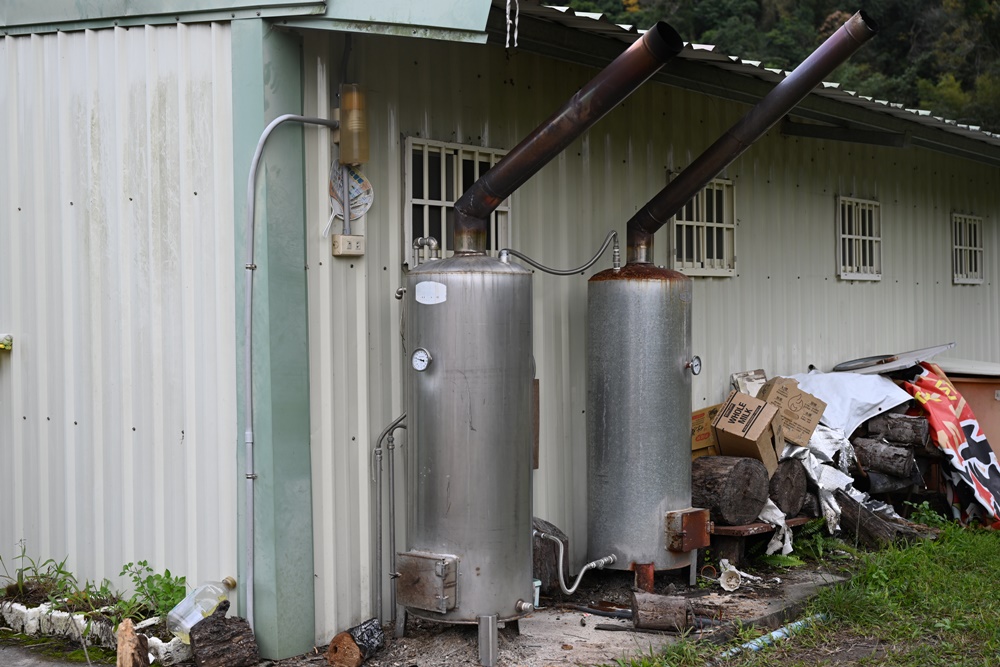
x=735 y=488
x=887 y=454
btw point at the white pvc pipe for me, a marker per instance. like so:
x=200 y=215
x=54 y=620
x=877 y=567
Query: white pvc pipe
x=768 y=639
x=248 y=345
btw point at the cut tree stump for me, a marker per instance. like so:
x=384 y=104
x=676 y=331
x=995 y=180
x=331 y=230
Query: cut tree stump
x=787 y=487
x=133 y=649
x=355 y=645
x=882 y=457
x=913 y=431
x=733 y=488
x=218 y=641
x=659 y=612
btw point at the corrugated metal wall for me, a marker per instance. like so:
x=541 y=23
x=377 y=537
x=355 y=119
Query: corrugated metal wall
x=118 y=426
x=784 y=310
x=117 y=404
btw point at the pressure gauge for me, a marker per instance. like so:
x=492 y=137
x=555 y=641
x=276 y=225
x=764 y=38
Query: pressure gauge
x=695 y=365
x=421 y=359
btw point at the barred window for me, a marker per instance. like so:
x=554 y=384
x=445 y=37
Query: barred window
x=704 y=232
x=859 y=239
x=436 y=174
x=967 y=236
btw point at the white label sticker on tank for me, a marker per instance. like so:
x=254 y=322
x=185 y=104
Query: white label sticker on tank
x=430 y=292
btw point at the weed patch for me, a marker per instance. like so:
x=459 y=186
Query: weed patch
x=931 y=603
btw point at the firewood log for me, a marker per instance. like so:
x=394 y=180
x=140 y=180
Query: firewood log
x=133 y=649
x=913 y=431
x=882 y=457
x=733 y=488
x=355 y=645
x=787 y=487
x=659 y=612
x=218 y=641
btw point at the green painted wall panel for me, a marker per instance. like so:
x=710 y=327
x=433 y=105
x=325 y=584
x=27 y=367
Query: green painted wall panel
x=450 y=14
x=267 y=83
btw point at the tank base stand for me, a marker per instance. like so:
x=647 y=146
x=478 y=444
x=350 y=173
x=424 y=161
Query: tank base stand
x=488 y=640
x=400 y=629
x=693 y=570
x=644 y=576
x=510 y=629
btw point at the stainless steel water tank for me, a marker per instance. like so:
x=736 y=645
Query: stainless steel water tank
x=469 y=383
x=638 y=412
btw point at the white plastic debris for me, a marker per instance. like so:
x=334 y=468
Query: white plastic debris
x=782 y=538
x=731 y=578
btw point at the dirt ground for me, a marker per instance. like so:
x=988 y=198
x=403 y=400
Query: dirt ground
x=564 y=632
x=560 y=633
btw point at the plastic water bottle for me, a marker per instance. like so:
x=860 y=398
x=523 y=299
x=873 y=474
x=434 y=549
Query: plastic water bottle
x=199 y=604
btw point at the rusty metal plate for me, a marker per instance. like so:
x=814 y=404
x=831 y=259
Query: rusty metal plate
x=757 y=528
x=688 y=530
x=427 y=581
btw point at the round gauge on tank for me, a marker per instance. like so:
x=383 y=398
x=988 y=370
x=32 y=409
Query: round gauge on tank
x=695 y=365
x=421 y=359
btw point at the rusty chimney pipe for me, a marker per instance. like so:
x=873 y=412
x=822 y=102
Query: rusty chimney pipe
x=612 y=85
x=834 y=51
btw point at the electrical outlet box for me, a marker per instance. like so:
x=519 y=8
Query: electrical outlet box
x=348 y=245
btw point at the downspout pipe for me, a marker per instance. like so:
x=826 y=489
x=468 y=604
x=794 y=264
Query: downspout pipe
x=250 y=267
x=602 y=94
x=377 y=452
x=782 y=98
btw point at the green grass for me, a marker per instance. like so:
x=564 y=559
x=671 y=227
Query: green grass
x=933 y=603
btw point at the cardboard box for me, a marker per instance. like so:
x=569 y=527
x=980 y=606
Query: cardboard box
x=800 y=411
x=746 y=426
x=703 y=442
x=748 y=382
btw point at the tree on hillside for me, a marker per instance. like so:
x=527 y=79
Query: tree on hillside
x=943 y=55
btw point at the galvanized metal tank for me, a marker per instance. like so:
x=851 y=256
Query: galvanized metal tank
x=638 y=412
x=469 y=383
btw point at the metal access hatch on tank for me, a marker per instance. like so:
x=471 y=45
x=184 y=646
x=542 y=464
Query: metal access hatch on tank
x=427 y=581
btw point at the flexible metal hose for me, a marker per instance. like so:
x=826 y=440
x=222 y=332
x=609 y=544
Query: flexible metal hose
x=598 y=564
x=612 y=236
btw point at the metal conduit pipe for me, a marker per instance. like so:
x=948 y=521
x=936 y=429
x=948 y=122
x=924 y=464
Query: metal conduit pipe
x=602 y=94
x=616 y=258
x=392 y=521
x=428 y=242
x=248 y=344
x=598 y=564
x=782 y=98
x=377 y=474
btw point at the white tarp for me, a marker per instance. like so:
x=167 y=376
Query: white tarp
x=851 y=398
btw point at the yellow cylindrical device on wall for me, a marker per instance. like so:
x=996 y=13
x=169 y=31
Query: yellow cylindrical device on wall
x=353 y=125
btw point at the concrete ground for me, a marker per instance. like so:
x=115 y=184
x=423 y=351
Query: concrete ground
x=17 y=656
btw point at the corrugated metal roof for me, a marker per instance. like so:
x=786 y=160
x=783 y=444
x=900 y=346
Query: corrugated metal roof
x=598 y=24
